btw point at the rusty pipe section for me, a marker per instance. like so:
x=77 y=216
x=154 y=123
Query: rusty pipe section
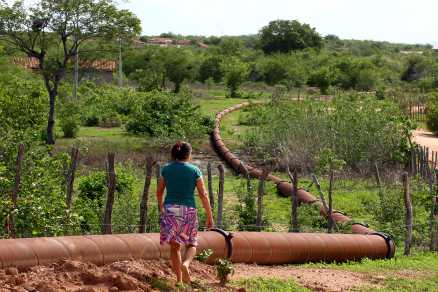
x=284 y=188
x=247 y=247
x=272 y=248
x=97 y=249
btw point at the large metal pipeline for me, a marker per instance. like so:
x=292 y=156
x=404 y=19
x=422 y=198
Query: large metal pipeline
x=284 y=187
x=241 y=247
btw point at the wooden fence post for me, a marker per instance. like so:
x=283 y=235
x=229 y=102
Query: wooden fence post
x=220 y=195
x=12 y=232
x=409 y=214
x=330 y=199
x=111 y=174
x=158 y=171
x=145 y=197
x=210 y=186
x=260 y=194
x=294 y=201
x=74 y=155
x=433 y=225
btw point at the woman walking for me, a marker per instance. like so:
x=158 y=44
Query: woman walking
x=178 y=213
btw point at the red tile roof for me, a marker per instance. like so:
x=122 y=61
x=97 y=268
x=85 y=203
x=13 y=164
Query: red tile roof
x=101 y=64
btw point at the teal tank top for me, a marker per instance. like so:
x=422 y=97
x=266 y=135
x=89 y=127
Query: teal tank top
x=180 y=179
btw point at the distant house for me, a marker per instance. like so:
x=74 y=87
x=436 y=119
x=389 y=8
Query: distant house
x=183 y=42
x=99 y=70
x=202 y=45
x=165 y=42
x=138 y=43
x=435 y=48
x=411 y=52
x=160 y=41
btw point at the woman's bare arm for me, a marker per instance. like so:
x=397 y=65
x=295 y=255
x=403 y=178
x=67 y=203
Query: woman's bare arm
x=160 y=192
x=202 y=192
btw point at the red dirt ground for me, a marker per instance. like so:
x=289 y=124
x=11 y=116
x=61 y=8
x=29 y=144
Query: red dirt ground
x=426 y=138
x=74 y=276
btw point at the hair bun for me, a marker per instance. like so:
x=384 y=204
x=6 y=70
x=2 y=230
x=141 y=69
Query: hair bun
x=181 y=150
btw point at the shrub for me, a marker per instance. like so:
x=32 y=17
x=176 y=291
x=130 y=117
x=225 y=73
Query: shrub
x=161 y=114
x=246 y=208
x=104 y=105
x=225 y=270
x=91 y=200
x=359 y=132
x=235 y=73
x=70 y=127
x=432 y=114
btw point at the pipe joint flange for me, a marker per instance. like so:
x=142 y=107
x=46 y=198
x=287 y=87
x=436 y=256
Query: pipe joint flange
x=228 y=236
x=361 y=224
x=389 y=242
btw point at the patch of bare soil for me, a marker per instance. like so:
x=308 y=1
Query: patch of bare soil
x=426 y=138
x=77 y=276
x=314 y=279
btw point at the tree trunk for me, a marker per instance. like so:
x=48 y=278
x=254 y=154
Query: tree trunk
x=210 y=186
x=324 y=203
x=409 y=213
x=107 y=220
x=50 y=139
x=260 y=194
x=220 y=195
x=71 y=176
x=14 y=195
x=145 y=197
x=177 y=87
x=158 y=172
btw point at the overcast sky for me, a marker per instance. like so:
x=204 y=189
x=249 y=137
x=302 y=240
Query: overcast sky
x=406 y=21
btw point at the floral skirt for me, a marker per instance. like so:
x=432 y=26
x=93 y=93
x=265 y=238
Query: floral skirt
x=179 y=223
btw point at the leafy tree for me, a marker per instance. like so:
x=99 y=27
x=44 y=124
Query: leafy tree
x=236 y=72
x=179 y=65
x=146 y=67
x=52 y=31
x=284 y=36
x=296 y=77
x=274 y=69
x=211 y=68
x=415 y=69
x=432 y=114
x=230 y=46
x=321 y=78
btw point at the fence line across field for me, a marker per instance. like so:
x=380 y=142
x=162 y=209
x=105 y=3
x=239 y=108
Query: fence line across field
x=420 y=164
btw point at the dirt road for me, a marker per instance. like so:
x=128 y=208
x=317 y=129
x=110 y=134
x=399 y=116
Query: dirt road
x=426 y=138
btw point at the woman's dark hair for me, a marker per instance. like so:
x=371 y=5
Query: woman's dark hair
x=181 y=151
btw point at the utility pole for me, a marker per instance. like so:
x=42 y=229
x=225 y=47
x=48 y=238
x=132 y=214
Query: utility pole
x=120 y=63
x=76 y=71
x=76 y=81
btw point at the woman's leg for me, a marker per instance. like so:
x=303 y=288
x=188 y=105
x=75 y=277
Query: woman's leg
x=175 y=257
x=190 y=254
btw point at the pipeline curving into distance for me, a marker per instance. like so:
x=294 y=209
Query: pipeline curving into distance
x=241 y=247
x=284 y=187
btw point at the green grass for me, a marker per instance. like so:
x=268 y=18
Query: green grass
x=102 y=132
x=269 y=284
x=418 y=261
x=214 y=105
x=400 y=284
